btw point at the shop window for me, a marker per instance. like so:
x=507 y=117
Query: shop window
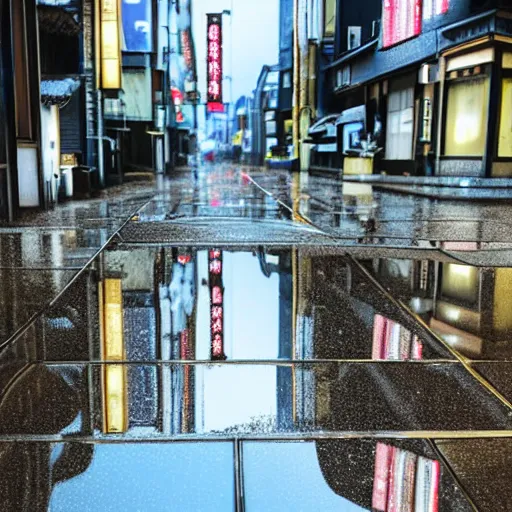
x=329 y=18
x=400 y=125
x=466 y=117
x=352 y=136
x=287 y=80
x=505 y=140
x=460 y=283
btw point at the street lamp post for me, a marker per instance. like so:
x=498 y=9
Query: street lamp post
x=230 y=103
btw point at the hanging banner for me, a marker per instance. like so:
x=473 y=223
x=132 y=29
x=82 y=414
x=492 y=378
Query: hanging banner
x=214 y=63
x=401 y=20
x=183 y=74
x=216 y=305
x=137 y=26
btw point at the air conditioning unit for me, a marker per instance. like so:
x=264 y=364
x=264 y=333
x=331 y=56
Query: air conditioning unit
x=354 y=37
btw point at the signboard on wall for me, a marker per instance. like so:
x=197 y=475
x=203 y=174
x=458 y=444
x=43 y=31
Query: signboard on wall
x=401 y=20
x=109 y=51
x=137 y=29
x=214 y=63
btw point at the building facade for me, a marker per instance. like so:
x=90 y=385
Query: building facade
x=420 y=87
x=21 y=179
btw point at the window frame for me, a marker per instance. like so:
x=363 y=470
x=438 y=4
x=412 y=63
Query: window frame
x=21 y=68
x=506 y=74
x=334 y=10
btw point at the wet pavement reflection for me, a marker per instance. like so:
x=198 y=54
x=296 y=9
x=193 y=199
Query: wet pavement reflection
x=468 y=307
x=334 y=475
x=250 y=340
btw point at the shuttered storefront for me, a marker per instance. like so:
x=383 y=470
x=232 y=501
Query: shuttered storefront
x=71 y=130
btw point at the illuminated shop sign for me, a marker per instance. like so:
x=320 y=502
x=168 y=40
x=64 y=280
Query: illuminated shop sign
x=137 y=32
x=401 y=20
x=393 y=342
x=404 y=480
x=184 y=259
x=216 y=305
x=108 y=44
x=177 y=99
x=114 y=376
x=214 y=63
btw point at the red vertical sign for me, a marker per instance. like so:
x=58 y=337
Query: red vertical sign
x=214 y=63
x=215 y=264
x=417 y=17
x=402 y=20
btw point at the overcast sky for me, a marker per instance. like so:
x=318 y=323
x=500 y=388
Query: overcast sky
x=255 y=40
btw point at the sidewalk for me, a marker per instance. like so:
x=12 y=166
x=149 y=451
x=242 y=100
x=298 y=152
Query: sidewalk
x=441 y=187
x=43 y=253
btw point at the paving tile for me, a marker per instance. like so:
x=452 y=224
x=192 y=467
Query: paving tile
x=484 y=468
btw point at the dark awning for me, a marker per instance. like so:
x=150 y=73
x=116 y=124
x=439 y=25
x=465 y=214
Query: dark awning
x=58 y=92
x=54 y=19
x=324 y=126
x=352 y=115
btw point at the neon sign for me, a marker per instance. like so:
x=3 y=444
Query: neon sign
x=216 y=305
x=214 y=62
x=401 y=20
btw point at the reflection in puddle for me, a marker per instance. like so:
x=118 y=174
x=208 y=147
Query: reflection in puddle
x=216 y=305
x=469 y=307
x=349 y=475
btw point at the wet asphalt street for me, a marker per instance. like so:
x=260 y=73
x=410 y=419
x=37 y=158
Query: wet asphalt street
x=247 y=340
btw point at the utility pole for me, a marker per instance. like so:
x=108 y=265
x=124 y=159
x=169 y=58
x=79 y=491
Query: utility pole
x=300 y=71
x=296 y=80
x=101 y=154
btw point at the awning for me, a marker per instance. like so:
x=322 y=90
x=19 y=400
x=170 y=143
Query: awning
x=58 y=92
x=323 y=134
x=324 y=126
x=55 y=19
x=352 y=115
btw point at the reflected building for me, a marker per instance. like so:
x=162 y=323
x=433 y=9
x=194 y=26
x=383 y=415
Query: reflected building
x=472 y=309
x=155 y=323
x=389 y=475
x=467 y=306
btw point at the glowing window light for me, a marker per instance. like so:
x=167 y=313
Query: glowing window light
x=461 y=270
x=116 y=411
x=114 y=377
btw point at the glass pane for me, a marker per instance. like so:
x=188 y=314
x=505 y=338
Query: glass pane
x=330 y=17
x=460 y=282
x=394 y=101
x=150 y=477
x=347 y=476
x=351 y=138
x=287 y=485
x=505 y=141
x=466 y=118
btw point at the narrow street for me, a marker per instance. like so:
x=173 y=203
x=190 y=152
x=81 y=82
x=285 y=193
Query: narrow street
x=243 y=339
